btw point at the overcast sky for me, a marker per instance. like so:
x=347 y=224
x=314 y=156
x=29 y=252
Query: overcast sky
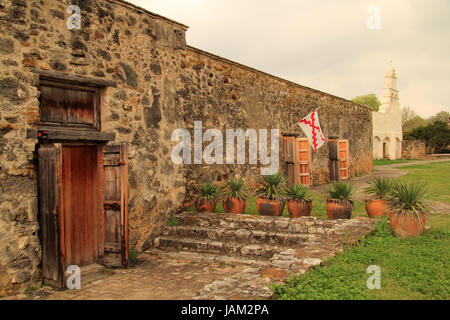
x=326 y=44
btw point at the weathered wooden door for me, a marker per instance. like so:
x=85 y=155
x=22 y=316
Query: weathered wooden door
x=49 y=183
x=297 y=158
x=115 y=206
x=343 y=157
x=80 y=235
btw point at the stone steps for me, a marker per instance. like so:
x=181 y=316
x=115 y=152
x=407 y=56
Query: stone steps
x=241 y=235
x=276 y=241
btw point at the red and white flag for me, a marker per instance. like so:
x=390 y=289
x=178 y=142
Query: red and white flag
x=311 y=126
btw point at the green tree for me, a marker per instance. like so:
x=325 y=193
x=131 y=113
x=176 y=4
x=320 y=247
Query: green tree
x=369 y=100
x=414 y=123
x=436 y=136
x=440 y=116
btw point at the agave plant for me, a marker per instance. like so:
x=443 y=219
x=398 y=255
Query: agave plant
x=409 y=196
x=235 y=188
x=298 y=192
x=341 y=191
x=379 y=188
x=272 y=186
x=208 y=191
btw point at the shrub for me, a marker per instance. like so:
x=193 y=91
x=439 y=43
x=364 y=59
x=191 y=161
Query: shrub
x=341 y=191
x=298 y=192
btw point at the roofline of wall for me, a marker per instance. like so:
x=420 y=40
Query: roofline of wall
x=216 y=57
x=145 y=11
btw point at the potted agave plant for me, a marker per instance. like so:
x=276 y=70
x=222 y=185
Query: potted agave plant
x=270 y=200
x=379 y=189
x=235 y=196
x=408 y=204
x=299 y=200
x=207 y=197
x=340 y=205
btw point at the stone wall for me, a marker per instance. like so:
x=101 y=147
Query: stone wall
x=413 y=149
x=117 y=42
x=161 y=85
x=226 y=95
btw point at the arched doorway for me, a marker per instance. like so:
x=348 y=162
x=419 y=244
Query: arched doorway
x=386 y=148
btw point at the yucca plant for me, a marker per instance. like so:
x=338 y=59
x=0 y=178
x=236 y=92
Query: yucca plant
x=272 y=187
x=379 y=188
x=341 y=191
x=235 y=188
x=409 y=196
x=298 y=192
x=208 y=191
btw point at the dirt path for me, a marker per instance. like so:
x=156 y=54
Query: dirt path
x=385 y=171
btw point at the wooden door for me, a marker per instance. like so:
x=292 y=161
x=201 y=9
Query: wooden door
x=343 y=157
x=49 y=184
x=115 y=206
x=297 y=158
x=80 y=215
x=304 y=161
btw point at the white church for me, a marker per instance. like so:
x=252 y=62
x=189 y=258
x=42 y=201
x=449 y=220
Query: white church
x=387 y=122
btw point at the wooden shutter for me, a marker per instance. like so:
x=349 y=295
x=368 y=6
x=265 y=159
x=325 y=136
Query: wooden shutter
x=343 y=157
x=49 y=183
x=334 y=159
x=289 y=157
x=115 y=206
x=303 y=163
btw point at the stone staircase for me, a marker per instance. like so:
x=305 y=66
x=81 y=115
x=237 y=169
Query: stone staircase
x=259 y=250
x=289 y=244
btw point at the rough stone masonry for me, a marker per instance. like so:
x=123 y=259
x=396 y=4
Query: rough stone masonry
x=162 y=84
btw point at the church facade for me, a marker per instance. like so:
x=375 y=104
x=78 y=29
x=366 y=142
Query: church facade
x=387 y=122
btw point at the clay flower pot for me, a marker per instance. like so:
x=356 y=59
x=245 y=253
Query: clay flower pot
x=267 y=207
x=376 y=208
x=407 y=225
x=338 y=209
x=299 y=208
x=234 y=205
x=203 y=205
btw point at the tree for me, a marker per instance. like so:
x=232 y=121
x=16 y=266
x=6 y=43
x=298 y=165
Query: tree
x=407 y=114
x=436 y=135
x=414 y=123
x=440 y=116
x=369 y=100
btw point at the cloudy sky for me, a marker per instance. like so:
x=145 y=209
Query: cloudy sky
x=326 y=44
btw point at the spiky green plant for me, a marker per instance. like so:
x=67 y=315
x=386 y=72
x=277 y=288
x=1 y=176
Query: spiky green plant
x=208 y=191
x=235 y=188
x=341 y=191
x=409 y=196
x=379 y=188
x=272 y=187
x=298 y=192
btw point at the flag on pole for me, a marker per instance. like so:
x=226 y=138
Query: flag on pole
x=311 y=126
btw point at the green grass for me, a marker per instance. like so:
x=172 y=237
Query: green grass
x=410 y=269
x=384 y=162
x=437 y=175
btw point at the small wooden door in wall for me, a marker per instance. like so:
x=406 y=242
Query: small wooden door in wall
x=343 y=157
x=49 y=183
x=115 y=206
x=297 y=157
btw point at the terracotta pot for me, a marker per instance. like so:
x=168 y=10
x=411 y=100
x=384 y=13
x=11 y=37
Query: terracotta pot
x=376 y=208
x=339 y=209
x=406 y=224
x=203 y=205
x=299 y=208
x=234 y=205
x=269 y=207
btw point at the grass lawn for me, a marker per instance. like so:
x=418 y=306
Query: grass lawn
x=384 y=162
x=415 y=268
x=437 y=175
